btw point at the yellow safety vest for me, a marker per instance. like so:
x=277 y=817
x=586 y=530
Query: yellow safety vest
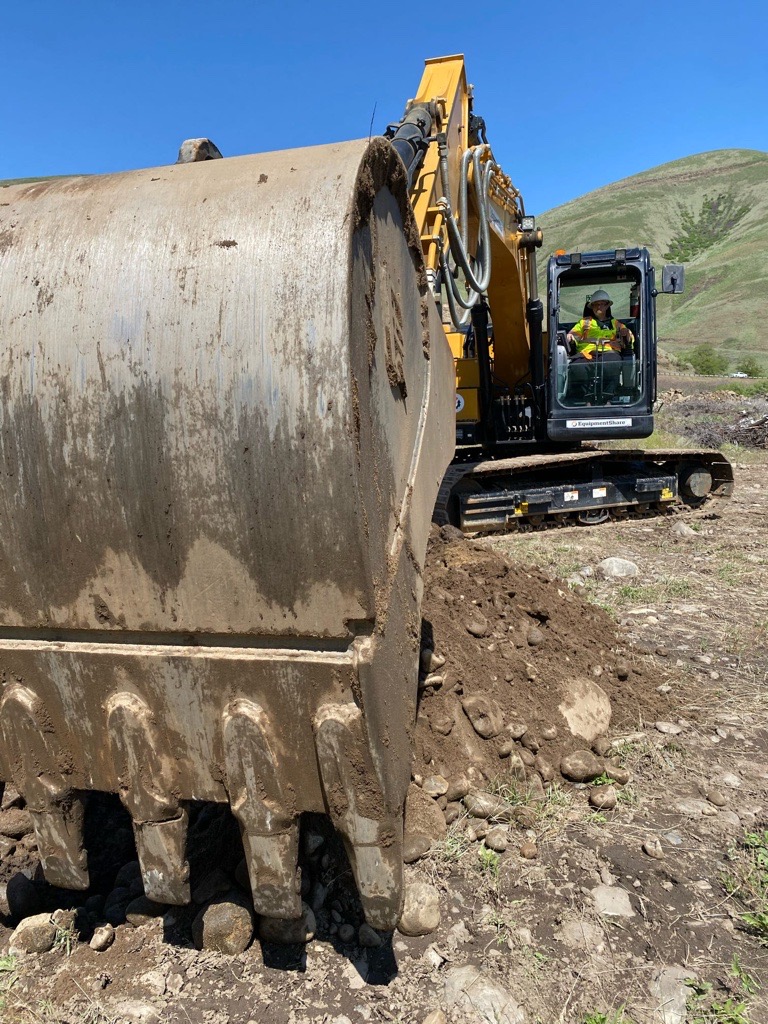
x=594 y=337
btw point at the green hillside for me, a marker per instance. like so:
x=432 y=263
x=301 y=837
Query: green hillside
x=709 y=211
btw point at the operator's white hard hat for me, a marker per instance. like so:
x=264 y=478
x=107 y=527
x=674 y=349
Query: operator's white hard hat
x=601 y=296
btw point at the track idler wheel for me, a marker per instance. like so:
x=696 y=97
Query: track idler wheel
x=695 y=483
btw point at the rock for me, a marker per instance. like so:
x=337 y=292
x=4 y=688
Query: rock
x=368 y=937
x=346 y=933
x=114 y=911
x=578 y=932
x=102 y=938
x=716 y=797
x=515 y=730
x=619 y=774
x=653 y=848
x=580 y=766
x=616 y=567
x=451 y=533
x=452 y=812
x=536 y=793
x=430 y=661
x=436 y=1017
x=683 y=530
x=526 y=757
x=534 y=636
x=526 y=816
x=142 y=910
x=603 y=797
x=544 y=767
x=693 y=808
x=622 y=670
x=64 y=918
x=421 y=911
x=729 y=780
x=434 y=680
x=530 y=742
x=15 y=823
x=318 y=897
x=35 y=934
x=497 y=839
x=484 y=714
x=312 y=842
x=441 y=724
x=435 y=786
x=478 y=625
x=485 y=805
x=515 y=766
x=22 y=896
x=457 y=788
x=128 y=876
x=529 y=850
x=586 y=708
x=549 y=732
x=271 y=929
x=473 y=998
x=215 y=883
x=153 y=982
x=668 y=728
x=612 y=901
x=415 y=847
x=671 y=993
x=422 y=815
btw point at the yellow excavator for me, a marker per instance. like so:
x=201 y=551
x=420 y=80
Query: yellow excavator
x=228 y=405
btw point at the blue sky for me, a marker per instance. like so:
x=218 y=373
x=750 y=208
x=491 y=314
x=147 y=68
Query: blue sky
x=575 y=95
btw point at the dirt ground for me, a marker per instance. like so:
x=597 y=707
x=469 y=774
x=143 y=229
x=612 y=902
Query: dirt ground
x=639 y=895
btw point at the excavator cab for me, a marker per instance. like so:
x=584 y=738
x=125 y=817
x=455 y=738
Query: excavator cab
x=602 y=372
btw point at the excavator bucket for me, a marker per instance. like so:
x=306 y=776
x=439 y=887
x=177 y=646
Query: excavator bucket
x=227 y=405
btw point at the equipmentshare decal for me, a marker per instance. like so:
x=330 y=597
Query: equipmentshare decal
x=586 y=424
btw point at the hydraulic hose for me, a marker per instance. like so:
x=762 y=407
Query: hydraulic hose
x=477 y=277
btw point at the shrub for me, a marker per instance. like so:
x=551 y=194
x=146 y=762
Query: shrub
x=707 y=361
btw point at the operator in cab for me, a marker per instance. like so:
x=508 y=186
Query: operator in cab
x=596 y=344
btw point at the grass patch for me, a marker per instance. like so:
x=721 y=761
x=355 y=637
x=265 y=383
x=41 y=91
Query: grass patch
x=704 y=1007
x=747 y=882
x=488 y=862
x=667 y=589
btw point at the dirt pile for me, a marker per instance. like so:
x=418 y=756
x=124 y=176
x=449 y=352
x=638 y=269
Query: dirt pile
x=531 y=670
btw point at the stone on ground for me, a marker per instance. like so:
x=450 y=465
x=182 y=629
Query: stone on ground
x=35 y=934
x=226 y=926
x=586 y=708
x=612 y=901
x=472 y=997
x=421 y=911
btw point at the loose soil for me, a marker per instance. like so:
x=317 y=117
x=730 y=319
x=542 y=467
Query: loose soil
x=679 y=652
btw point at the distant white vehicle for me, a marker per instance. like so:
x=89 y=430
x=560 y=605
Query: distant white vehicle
x=739 y=373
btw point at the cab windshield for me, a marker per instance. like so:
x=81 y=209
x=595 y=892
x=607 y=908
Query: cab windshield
x=598 y=350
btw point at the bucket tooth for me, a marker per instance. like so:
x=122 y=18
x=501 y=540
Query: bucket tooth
x=264 y=808
x=147 y=780
x=161 y=847
x=59 y=835
x=34 y=754
x=372 y=833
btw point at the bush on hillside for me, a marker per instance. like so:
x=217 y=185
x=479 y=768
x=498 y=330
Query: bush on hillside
x=750 y=366
x=707 y=361
x=699 y=232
